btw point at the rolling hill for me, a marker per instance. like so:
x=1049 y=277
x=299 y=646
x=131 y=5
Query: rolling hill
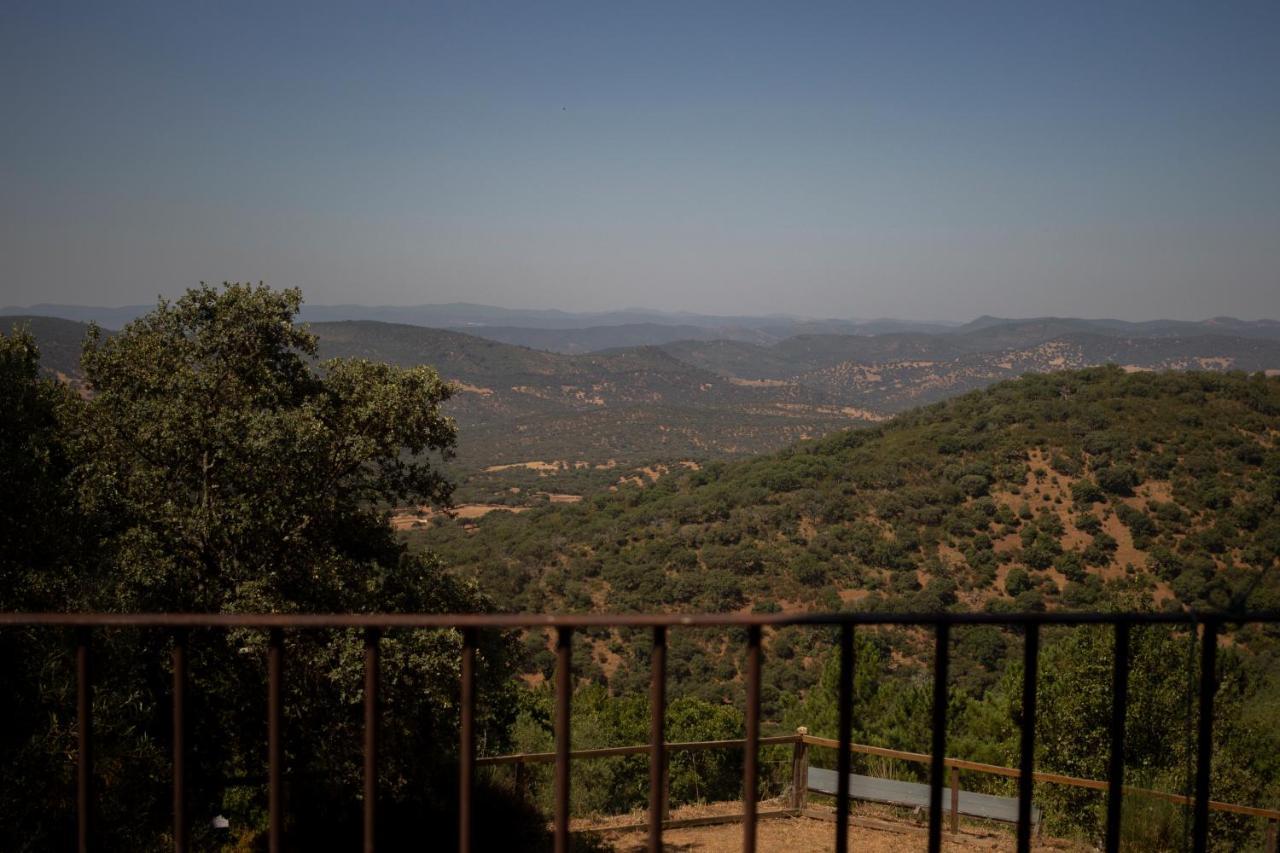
x=584 y=330
x=893 y=372
x=590 y=418
x=1049 y=491
x=592 y=412
x=537 y=420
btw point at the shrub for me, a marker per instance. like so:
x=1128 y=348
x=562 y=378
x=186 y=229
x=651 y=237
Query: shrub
x=1016 y=581
x=1085 y=492
x=1118 y=479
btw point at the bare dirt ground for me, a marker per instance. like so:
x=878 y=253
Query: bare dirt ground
x=404 y=519
x=872 y=829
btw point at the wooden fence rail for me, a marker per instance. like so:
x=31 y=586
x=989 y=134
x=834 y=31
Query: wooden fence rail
x=612 y=751
x=1038 y=776
x=800 y=762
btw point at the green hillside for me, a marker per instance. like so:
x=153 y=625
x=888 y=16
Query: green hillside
x=1035 y=493
x=1072 y=490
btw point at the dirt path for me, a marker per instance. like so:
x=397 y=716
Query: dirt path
x=872 y=830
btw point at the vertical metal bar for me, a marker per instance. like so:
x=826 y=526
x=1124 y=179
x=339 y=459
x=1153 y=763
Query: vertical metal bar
x=371 y=666
x=751 y=757
x=467 y=740
x=937 y=761
x=844 y=702
x=84 y=738
x=180 y=835
x=1204 y=751
x=564 y=695
x=1119 y=710
x=1027 y=754
x=275 y=756
x=955 y=800
x=657 y=737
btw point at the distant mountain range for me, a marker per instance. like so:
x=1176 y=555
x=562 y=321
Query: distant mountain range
x=581 y=332
x=552 y=330
x=630 y=394
x=507 y=322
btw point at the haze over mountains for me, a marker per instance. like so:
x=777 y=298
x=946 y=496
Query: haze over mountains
x=571 y=332
x=584 y=401
x=551 y=329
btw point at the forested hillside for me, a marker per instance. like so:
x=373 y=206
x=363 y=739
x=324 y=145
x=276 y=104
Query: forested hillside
x=1035 y=493
x=1071 y=490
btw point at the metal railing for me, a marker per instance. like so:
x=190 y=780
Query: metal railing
x=1208 y=626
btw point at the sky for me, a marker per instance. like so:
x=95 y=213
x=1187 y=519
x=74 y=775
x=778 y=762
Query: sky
x=924 y=161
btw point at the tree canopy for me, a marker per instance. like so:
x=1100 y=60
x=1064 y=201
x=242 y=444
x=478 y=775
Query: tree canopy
x=216 y=465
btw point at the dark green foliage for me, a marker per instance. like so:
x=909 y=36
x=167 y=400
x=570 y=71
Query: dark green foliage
x=1140 y=525
x=217 y=468
x=1119 y=479
x=39 y=537
x=1098 y=552
x=1086 y=492
x=37 y=522
x=619 y=784
x=1016 y=581
x=1088 y=523
x=1066 y=464
x=1071 y=565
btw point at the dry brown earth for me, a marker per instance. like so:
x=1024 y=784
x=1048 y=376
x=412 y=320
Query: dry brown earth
x=874 y=829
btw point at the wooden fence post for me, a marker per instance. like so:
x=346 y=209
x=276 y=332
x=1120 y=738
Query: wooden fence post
x=800 y=771
x=1271 y=835
x=955 y=800
x=521 y=785
x=666 y=784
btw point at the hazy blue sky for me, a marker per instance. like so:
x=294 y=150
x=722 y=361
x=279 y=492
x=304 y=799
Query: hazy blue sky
x=847 y=159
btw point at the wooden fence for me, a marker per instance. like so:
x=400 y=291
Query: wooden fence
x=798 y=805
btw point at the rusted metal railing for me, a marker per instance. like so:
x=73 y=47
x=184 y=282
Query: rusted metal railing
x=1208 y=625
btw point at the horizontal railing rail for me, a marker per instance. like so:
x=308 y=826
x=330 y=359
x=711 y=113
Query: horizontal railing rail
x=633 y=749
x=1208 y=627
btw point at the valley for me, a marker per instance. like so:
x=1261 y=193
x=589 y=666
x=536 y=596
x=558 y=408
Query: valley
x=601 y=414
